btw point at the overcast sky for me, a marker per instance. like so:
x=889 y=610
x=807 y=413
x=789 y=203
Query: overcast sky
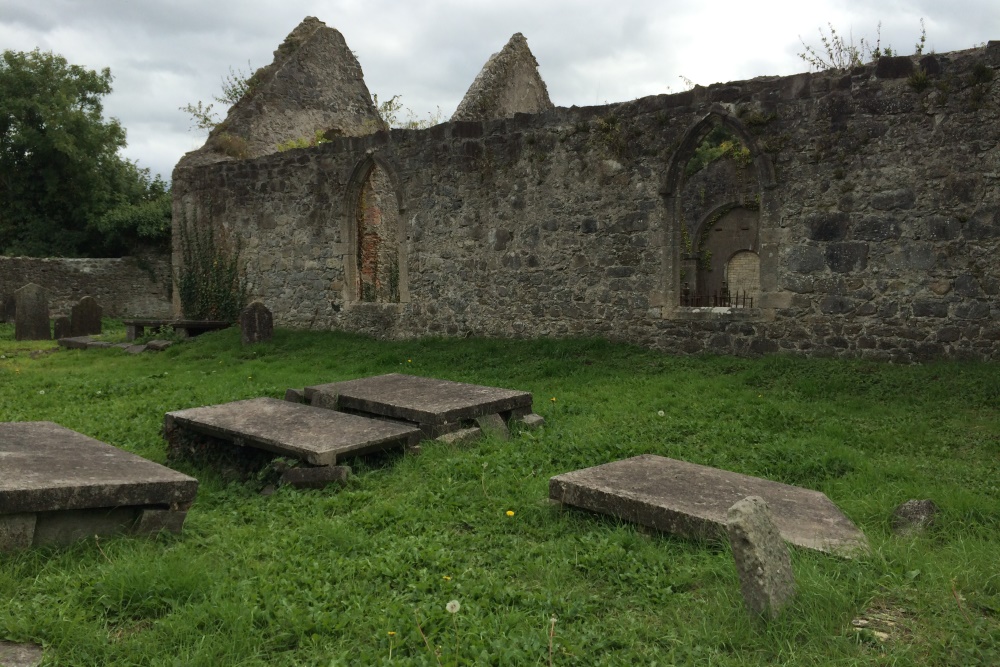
x=164 y=54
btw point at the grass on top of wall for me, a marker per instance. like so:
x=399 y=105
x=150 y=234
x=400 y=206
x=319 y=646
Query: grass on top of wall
x=362 y=575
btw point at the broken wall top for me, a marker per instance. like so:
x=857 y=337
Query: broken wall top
x=509 y=83
x=315 y=84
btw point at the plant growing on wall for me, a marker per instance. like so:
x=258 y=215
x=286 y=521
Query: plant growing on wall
x=211 y=285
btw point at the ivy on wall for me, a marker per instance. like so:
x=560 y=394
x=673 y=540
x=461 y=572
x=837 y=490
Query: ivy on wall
x=211 y=285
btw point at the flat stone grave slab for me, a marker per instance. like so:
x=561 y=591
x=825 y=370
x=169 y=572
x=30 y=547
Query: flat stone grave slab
x=437 y=406
x=314 y=435
x=692 y=500
x=58 y=486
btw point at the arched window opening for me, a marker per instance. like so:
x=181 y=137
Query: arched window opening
x=377 y=220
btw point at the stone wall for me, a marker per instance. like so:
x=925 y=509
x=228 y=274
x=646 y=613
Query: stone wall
x=871 y=200
x=126 y=286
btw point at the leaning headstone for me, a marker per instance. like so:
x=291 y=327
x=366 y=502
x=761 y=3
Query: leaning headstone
x=256 y=323
x=62 y=327
x=914 y=516
x=762 y=560
x=31 y=319
x=86 y=317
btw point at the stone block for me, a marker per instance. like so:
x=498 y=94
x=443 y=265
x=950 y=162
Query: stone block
x=461 y=437
x=155 y=520
x=914 y=516
x=135 y=349
x=158 y=345
x=315 y=478
x=295 y=396
x=256 y=324
x=493 y=425
x=62 y=327
x=17 y=531
x=762 y=560
x=311 y=434
x=8 y=308
x=20 y=655
x=81 y=343
x=31 y=317
x=532 y=421
x=86 y=317
x=692 y=501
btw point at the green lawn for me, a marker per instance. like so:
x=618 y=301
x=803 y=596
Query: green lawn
x=362 y=575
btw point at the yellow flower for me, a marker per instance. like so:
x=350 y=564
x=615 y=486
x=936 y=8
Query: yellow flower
x=510 y=512
x=446 y=578
x=409 y=361
x=391 y=633
x=553 y=399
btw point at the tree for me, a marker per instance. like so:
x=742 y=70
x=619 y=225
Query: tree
x=64 y=188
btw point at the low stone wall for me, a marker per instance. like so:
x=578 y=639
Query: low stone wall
x=126 y=286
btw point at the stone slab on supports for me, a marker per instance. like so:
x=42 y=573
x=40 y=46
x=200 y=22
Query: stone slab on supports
x=313 y=435
x=68 y=486
x=437 y=406
x=693 y=500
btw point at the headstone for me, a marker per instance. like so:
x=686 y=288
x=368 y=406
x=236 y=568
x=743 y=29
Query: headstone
x=692 y=500
x=493 y=425
x=295 y=396
x=8 y=307
x=62 y=327
x=31 y=319
x=58 y=486
x=762 y=560
x=256 y=324
x=314 y=435
x=81 y=343
x=437 y=406
x=914 y=516
x=86 y=317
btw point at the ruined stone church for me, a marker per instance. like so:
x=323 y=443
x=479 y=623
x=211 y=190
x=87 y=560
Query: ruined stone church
x=840 y=213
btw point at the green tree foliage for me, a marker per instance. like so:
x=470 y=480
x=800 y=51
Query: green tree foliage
x=235 y=85
x=64 y=188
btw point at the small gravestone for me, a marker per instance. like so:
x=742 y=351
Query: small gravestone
x=7 y=308
x=62 y=328
x=315 y=478
x=31 y=319
x=761 y=555
x=256 y=323
x=86 y=317
x=914 y=516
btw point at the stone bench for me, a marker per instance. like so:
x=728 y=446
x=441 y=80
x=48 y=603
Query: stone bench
x=136 y=328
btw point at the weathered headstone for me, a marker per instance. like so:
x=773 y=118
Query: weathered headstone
x=761 y=555
x=315 y=477
x=62 y=327
x=692 y=500
x=914 y=516
x=256 y=323
x=86 y=317
x=31 y=318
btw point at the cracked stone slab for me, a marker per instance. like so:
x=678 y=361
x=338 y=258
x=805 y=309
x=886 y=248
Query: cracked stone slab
x=311 y=434
x=693 y=500
x=58 y=486
x=420 y=400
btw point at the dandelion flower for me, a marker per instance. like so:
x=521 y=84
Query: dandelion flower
x=409 y=361
x=446 y=578
x=392 y=633
x=553 y=399
x=453 y=607
x=660 y=413
x=510 y=512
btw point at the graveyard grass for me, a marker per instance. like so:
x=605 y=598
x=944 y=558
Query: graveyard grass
x=360 y=576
